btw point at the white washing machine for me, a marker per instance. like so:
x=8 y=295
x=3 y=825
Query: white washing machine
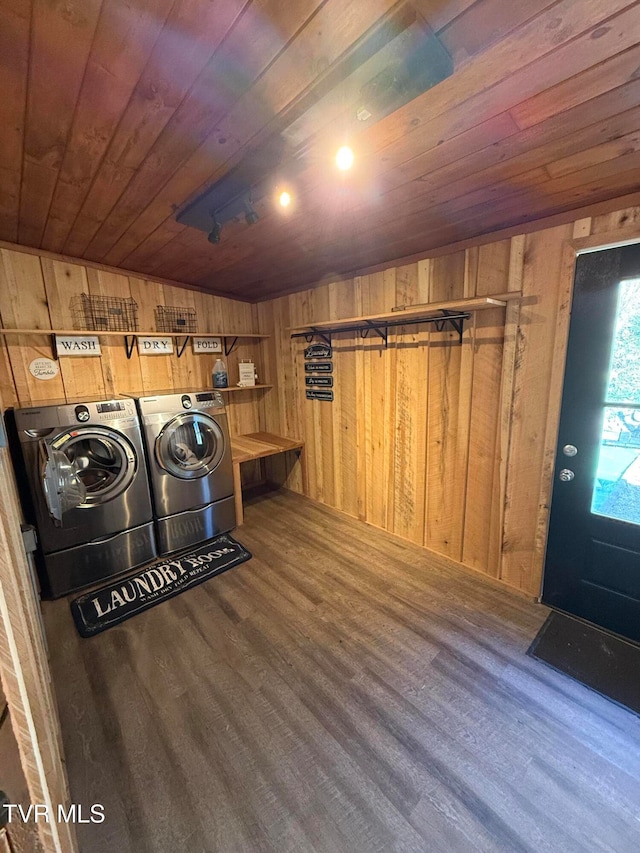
x=189 y=456
x=87 y=480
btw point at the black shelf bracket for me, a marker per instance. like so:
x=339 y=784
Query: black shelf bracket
x=181 y=349
x=456 y=321
x=451 y=319
x=316 y=333
x=229 y=349
x=381 y=330
x=129 y=343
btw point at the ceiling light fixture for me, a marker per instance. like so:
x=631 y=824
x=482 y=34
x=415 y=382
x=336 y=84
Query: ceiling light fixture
x=250 y=215
x=344 y=158
x=216 y=230
x=284 y=198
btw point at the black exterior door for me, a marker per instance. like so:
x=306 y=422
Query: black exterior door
x=592 y=567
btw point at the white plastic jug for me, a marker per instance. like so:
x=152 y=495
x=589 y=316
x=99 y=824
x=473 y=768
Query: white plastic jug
x=220 y=376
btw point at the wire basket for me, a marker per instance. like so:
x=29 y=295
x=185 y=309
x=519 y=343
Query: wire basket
x=171 y=318
x=104 y=313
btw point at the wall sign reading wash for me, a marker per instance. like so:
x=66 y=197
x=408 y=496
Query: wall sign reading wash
x=78 y=345
x=155 y=346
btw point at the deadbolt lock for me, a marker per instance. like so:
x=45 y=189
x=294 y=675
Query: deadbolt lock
x=566 y=475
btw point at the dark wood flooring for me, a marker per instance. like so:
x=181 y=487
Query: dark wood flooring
x=341 y=691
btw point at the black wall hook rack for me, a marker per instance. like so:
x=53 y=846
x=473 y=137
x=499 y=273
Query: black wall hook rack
x=452 y=319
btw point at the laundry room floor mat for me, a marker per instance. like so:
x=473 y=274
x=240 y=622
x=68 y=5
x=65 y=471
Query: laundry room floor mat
x=103 y=608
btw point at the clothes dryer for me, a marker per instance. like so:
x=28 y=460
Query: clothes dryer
x=189 y=455
x=85 y=468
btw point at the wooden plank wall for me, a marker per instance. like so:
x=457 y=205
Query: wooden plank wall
x=448 y=446
x=26 y=682
x=36 y=292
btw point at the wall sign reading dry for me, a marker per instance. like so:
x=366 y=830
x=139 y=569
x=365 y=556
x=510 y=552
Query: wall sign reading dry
x=155 y=346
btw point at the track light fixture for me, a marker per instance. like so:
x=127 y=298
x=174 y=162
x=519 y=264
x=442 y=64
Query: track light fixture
x=250 y=215
x=216 y=230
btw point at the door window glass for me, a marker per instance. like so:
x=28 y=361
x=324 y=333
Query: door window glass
x=624 y=370
x=97 y=461
x=102 y=463
x=191 y=445
x=616 y=492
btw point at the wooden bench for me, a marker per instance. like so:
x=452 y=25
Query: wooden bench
x=257 y=445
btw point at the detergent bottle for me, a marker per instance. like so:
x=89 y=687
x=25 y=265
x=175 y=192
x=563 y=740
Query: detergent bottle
x=220 y=376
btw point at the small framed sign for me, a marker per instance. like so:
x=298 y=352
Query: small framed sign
x=201 y=345
x=44 y=368
x=319 y=381
x=320 y=395
x=155 y=346
x=318 y=351
x=319 y=367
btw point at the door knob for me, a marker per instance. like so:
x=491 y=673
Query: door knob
x=566 y=475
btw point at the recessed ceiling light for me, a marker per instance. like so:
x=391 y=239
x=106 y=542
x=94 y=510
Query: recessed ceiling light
x=284 y=198
x=344 y=158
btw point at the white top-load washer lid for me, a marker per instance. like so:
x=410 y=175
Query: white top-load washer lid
x=190 y=445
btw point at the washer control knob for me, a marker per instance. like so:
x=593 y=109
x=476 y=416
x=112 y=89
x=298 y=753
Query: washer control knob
x=566 y=476
x=82 y=414
x=570 y=450
x=186 y=401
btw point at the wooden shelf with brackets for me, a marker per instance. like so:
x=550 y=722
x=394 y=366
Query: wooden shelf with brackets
x=131 y=336
x=440 y=314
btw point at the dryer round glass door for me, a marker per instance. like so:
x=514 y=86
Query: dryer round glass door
x=191 y=445
x=102 y=460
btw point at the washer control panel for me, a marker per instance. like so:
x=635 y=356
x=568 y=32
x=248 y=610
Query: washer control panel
x=209 y=400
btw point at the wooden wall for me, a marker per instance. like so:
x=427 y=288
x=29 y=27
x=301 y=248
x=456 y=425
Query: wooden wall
x=448 y=446
x=36 y=292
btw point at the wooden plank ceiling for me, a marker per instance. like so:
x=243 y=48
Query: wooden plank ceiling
x=115 y=113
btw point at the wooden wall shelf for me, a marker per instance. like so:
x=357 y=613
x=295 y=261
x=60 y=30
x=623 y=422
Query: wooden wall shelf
x=440 y=314
x=232 y=388
x=130 y=337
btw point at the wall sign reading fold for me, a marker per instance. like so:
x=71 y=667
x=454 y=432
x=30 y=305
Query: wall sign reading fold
x=201 y=345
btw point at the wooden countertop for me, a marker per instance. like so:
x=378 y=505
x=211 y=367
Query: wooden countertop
x=256 y=445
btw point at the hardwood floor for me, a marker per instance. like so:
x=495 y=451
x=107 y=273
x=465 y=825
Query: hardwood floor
x=341 y=691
